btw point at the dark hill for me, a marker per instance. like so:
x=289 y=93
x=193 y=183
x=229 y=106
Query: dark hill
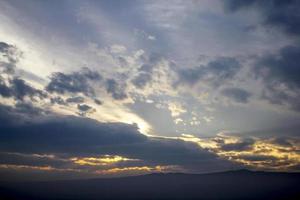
x=231 y=185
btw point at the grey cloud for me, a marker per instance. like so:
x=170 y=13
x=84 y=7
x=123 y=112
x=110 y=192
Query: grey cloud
x=65 y=135
x=214 y=73
x=21 y=113
x=283 y=67
x=28 y=109
x=257 y=158
x=237 y=94
x=30 y=160
x=276 y=13
x=75 y=100
x=9 y=56
x=115 y=89
x=61 y=101
x=4 y=47
x=98 y=102
x=76 y=82
x=141 y=80
x=58 y=100
x=148 y=67
x=84 y=107
x=279 y=72
x=78 y=136
x=5 y=91
x=282 y=141
x=19 y=89
x=145 y=71
x=246 y=144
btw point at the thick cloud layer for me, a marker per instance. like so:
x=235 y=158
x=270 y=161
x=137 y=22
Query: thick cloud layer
x=82 y=137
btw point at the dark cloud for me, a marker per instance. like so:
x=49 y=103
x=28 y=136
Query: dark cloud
x=77 y=136
x=281 y=67
x=30 y=160
x=141 y=80
x=282 y=141
x=237 y=94
x=98 y=102
x=20 y=113
x=13 y=86
x=279 y=72
x=115 y=89
x=85 y=109
x=19 y=89
x=75 y=100
x=255 y=158
x=4 y=47
x=145 y=71
x=5 y=91
x=246 y=144
x=276 y=13
x=9 y=56
x=76 y=82
x=28 y=109
x=58 y=100
x=68 y=134
x=61 y=101
x=215 y=73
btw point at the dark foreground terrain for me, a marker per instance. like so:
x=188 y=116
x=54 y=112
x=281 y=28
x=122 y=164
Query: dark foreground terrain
x=226 y=185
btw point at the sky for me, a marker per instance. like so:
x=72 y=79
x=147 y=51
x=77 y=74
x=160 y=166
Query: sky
x=125 y=87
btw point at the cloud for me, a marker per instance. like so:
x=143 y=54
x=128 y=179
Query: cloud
x=29 y=109
x=37 y=160
x=68 y=137
x=70 y=100
x=76 y=82
x=115 y=89
x=98 y=102
x=275 y=13
x=277 y=153
x=75 y=100
x=141 y=80
x=237 y=94
x=282 y=67
x=9 y=56
x=19 y=89
x=58 y=100
x=21 y=113
x=279 y=72
x=5 y=91
x=145 y=71
x=85 y=109
x=67 y=134
x=215 y=73
x=246 y=144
